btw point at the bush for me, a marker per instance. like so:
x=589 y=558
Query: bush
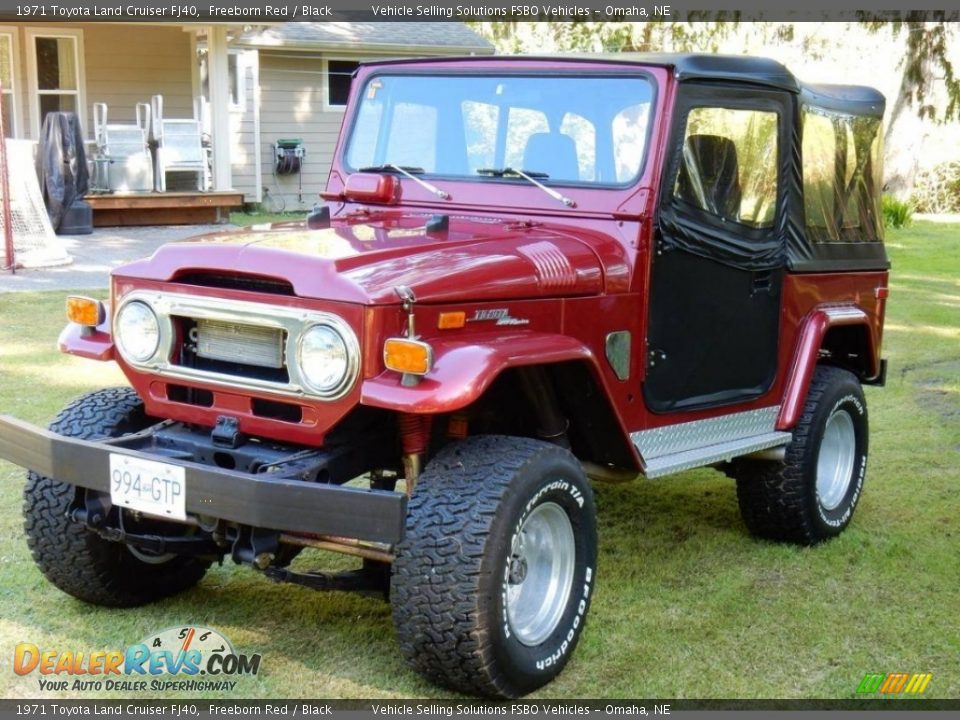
x=937 y=189
x=896 y=213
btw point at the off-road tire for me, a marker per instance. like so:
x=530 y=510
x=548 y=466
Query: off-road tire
x=449 y=579
x=779 y=500
x=73 y=558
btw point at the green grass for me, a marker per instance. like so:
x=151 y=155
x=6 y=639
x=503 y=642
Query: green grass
x=687 y=604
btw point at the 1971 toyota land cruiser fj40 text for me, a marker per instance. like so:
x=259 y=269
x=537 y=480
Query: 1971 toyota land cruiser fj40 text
x=526 y=273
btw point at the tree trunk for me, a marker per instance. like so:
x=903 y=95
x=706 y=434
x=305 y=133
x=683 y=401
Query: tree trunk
x=906 y=130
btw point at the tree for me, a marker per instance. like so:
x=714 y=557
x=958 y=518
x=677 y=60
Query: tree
x=925 y=56
x=607 y=37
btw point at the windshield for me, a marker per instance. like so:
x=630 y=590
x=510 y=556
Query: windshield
x=584 y=130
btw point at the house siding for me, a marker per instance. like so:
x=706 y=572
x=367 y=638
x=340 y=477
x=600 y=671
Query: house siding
x=123 y=65
x=292 y=92
x=155 y=61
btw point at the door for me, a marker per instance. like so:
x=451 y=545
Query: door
x=717 y=270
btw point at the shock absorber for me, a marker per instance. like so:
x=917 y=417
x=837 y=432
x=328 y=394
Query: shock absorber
x=414 y=439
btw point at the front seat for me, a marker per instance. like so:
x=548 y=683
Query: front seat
x=715 y=157
x=552 y=153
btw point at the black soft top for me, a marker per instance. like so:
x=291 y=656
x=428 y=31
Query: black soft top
x=738 y=68
x=686 y=66
x=852 y=99
x=848 y=99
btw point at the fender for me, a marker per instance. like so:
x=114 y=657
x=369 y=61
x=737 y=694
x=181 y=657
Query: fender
x=463 y=370
x=91 y=343
x=809 y=342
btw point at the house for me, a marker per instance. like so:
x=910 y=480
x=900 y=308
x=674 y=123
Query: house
x=261 y=83
x=303 y=72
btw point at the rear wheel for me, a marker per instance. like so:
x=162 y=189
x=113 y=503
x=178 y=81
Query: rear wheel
x=492 y=583
x=78 y=561
x=811 y=495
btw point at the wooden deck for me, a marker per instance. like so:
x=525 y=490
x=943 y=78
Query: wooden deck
x=166 y=208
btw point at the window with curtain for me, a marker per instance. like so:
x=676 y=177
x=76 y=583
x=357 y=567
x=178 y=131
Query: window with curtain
x=58 y=81
x=8 y=98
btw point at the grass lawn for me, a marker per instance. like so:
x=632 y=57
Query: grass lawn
x=687 y=604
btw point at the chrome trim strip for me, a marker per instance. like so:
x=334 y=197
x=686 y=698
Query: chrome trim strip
x=292 y=320
x=844 y=312
x=672 y=439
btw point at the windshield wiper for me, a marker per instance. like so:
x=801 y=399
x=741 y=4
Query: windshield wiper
x=408 y=172
x=530 y=176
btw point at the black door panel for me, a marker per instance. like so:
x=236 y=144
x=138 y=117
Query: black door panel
x=712 y=332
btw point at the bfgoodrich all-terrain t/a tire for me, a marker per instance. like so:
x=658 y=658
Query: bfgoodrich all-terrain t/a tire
x=77 y=560
x=811 y=495
x=492 y=583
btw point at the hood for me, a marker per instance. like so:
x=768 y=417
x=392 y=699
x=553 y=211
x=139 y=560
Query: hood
x=364 y=260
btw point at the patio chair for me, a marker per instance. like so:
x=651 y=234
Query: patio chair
x=178 y=147
x=122 y=161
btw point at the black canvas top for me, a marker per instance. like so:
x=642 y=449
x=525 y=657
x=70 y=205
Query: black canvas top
x=740 y=68
x=854 y=99
x=687 y=66
x=851 y=99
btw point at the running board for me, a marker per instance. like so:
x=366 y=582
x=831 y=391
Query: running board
x=710 y=454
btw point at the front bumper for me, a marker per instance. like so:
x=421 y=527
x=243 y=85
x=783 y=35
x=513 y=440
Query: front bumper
x=258 y=501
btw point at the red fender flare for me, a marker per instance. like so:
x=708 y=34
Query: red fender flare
x=809 y=342
x=463 y=370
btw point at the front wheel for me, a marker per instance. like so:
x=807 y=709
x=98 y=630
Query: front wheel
x=811 y=495
x=492 y=583
x=78 y=561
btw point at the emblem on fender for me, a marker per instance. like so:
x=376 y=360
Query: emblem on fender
x=500 y=315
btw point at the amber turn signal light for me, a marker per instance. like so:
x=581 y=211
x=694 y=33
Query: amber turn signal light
x=85 y=311
x=407 y=356
x=451 y=320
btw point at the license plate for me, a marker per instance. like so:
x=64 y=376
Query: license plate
x=155 y=488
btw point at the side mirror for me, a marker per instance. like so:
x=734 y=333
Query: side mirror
x=372 y=188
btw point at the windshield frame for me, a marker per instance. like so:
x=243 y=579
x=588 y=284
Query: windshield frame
x=620 y=72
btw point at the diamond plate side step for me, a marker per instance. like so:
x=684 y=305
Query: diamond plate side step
x=709 y=454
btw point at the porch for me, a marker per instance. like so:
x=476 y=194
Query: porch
x=107 y=73
x=164 y=208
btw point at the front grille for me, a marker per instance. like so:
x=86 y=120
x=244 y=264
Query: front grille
x=236 y=349
x=249 y=344
x=238 y=344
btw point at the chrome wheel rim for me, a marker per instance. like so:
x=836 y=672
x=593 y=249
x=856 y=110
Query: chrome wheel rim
x=540 y=574
x=835 y=461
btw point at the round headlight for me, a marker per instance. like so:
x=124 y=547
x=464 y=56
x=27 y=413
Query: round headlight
x=325 y=361
x=138 y=331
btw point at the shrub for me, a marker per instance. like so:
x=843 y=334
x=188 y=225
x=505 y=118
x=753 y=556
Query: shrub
x=937 y=189
x=896 y=213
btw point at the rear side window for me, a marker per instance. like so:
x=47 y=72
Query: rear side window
x=842 y=176
x=729 y=165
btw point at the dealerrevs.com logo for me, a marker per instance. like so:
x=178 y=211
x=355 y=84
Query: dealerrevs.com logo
x=186 y=659
x=894 y=683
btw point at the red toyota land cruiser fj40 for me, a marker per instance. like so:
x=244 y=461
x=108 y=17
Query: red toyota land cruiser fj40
x=526 y=273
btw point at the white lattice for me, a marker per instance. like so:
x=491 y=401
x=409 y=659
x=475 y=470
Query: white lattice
x=34 y=242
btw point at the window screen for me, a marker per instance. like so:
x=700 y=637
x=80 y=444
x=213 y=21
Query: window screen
x=729 y=165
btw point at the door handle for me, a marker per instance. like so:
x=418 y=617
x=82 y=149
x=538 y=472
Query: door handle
x=762 y=283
